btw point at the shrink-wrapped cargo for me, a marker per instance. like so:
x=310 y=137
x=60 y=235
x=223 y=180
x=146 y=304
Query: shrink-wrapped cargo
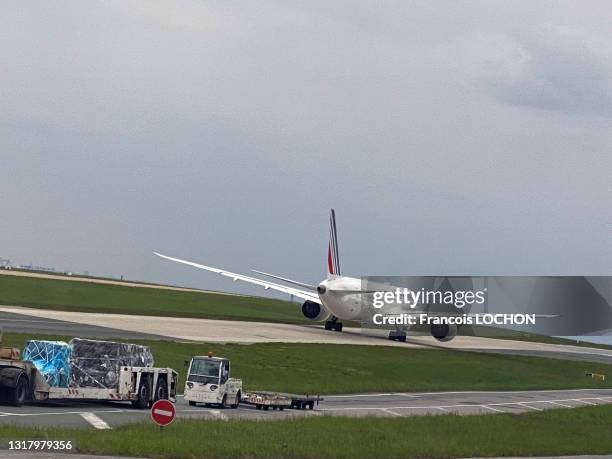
x=52 y=360
x=97 y=363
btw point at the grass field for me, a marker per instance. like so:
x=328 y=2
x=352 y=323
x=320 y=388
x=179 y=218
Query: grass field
x=70 y=295
x=67 y=295
x=337 y=368
x=548 y=433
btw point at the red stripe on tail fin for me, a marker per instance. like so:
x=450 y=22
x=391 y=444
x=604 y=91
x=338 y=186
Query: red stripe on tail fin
x=333 y=260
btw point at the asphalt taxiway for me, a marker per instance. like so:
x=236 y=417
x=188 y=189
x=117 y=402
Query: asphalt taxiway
x=114 y=414
x=92 y=325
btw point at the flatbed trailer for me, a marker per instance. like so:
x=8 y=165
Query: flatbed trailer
x=275 y=400
x=20 y=381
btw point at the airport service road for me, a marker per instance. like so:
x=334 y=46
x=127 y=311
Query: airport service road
x=110 y=415
x=82 y=324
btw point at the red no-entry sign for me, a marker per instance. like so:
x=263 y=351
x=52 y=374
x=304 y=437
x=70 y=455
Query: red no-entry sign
x=163 y=412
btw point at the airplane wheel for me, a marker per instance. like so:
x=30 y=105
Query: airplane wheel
x=338 y=326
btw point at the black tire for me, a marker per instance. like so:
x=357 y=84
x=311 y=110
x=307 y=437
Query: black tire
x=328 y=325
x=144 y=394
x=258 y=407
x=402 y=339
x=338 y=326
x=192 y=403
x=266 y=407
x=18 y=394
x=161 y=391
x=223 y=403
x=281 y=408
x=311 y=405
x=237 y=400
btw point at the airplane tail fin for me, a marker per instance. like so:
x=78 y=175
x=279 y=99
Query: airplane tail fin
x=333 y=260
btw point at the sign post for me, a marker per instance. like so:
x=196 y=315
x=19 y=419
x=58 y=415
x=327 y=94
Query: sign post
x=163 y=413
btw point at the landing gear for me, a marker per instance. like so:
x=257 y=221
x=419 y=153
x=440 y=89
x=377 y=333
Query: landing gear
x=397 y=336
x=333 y=325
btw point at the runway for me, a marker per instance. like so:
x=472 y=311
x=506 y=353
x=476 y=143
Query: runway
x=110 y=415
x=37 y=321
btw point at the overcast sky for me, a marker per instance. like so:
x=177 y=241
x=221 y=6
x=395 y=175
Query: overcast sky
x=451 y=137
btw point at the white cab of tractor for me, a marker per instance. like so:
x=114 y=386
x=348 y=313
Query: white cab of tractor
x=208 y=381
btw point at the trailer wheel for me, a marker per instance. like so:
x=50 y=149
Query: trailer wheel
x=237 y=401
x=310 y=405
x=266 y=407
x=258 y=407
x=192 y=403
x=17 y=395
x=161 y=391
x=144 y=394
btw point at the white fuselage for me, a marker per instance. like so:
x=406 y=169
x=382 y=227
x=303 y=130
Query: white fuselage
x=340 y=296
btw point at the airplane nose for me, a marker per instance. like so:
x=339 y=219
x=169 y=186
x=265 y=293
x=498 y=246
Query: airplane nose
x=321 y=289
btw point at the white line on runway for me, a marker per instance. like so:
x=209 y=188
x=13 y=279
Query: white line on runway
x=492 y=409
x=95 y=421
x=392 y=412
x=371 y=395
x=531 y=407
x=53 y=413
x=446 y=407
x=584 y=401
x=560 y=404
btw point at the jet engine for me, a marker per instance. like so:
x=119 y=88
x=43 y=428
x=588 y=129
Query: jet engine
x=443 y=332
x=315 y=311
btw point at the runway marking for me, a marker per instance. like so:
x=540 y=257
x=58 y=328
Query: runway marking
x=95 y=421
x=442 y=409
x=392 y=412
x=371 y=395
x=53 y=413
x=524 y=404
x=492 y=409
x=560 y=404
x=529 y=406
x=584 y=401
x=420 y=394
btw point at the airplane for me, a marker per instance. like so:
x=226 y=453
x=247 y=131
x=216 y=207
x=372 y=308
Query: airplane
x=334 y=299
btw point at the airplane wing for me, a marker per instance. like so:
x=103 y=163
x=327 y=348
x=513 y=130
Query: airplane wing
x=310 y=296
x=284 y=279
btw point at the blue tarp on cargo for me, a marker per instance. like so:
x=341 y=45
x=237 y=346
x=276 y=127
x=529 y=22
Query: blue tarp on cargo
x=52 y=359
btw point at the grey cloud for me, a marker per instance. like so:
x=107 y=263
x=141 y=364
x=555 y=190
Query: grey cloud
x=223 y=132
x=553 y=69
